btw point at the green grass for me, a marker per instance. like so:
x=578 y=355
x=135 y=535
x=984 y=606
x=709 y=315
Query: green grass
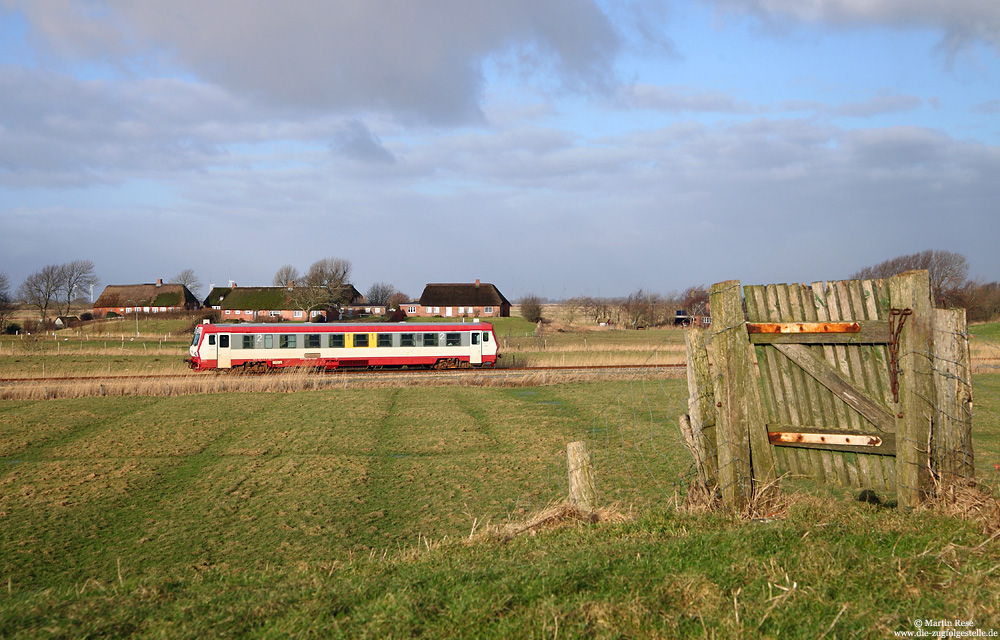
x=347 y=514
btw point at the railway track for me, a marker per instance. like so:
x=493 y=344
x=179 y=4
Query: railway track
x=596 y=369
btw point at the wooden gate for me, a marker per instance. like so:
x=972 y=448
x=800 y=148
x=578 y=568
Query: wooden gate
x=860 y=383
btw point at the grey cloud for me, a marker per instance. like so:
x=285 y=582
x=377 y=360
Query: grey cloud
x=879 y=105
x=415 y=59
x=356 y=141
x=990 y=107
x=676 y=99
x=960 y=22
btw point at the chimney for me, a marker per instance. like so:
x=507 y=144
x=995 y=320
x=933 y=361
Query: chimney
x=477 y=283
x=291 y=285
x=159 y=282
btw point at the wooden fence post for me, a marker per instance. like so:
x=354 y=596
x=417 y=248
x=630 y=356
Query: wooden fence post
x=951 y=452
x=582 y=488
x=914 y=410
x=740 y=431
x=698 y=426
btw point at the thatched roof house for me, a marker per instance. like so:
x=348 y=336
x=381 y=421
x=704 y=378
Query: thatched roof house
x=462 y=299
x=144 y=298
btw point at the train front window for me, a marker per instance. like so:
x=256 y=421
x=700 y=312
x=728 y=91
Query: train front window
x=197 y=336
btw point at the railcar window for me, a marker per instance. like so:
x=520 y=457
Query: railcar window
x=407 y=340
x=336 y=340
x=269 y=341
x=486 y=337
x=312 y=341
x=453 y=339
x=197 y=336
x=384 y=340
x=360 y=339
x=211 y=340
x=430 y=339
x=475 y=337
x=248 y=341
x=224 y=341
x=286 y=341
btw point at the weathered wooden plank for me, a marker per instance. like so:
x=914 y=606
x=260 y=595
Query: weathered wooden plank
x=839 y=384
x=701 y=409
x=835 y=311
x=869 y=332
x=915 y=413
x=817 y=437
x=840 y=410
x=952 y=456
x=740 y=428
x=825 y=404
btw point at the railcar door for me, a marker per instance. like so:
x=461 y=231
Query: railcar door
x=225 y=353
x=476 y=348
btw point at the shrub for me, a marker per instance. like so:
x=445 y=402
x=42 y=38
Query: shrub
x=111 y=314
x=531 y=308
x=12 y=329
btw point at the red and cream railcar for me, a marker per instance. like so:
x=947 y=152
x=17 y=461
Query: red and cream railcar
x=261 y=347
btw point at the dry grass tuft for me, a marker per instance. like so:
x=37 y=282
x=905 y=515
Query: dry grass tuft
x=768 y=502
x=554 y=517
x=967 y=500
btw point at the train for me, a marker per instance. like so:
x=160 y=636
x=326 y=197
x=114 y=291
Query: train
x=258 y=347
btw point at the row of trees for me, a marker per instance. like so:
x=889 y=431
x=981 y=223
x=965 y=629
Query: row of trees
x=641 y=309
x=327 y=285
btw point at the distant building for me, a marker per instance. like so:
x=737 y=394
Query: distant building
x=124 y=299
x=473 y=300
x=271 y=304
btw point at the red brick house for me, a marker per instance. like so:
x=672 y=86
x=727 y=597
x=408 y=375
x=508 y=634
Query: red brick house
x=270 y=304
x=457 y=300
x=124 y=299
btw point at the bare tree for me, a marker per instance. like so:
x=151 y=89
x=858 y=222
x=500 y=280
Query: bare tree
x=285 y=275
x=531 y=308
x=78 y=276
x=398 y=299
x=41 y=288
x=6 y=303
x=326 y=286
x=380 y=294
x=189 y=280
x=947 y=270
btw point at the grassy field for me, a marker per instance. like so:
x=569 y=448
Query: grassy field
x=398 y=512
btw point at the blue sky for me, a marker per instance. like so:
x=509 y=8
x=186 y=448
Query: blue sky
x=562 y=148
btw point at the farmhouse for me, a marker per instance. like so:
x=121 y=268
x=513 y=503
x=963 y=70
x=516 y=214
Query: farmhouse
x=273 y=304
x=124 y=299
x=460 y=300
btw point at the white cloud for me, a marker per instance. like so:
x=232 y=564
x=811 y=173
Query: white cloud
x=416 y=59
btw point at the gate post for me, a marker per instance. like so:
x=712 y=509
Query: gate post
x=700 y=434
x=914 y=410
x=951 y=452
x=746 y=462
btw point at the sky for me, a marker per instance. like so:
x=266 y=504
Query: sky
x=558 y=148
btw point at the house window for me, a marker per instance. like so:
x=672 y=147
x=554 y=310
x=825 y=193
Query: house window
x=411 y=309
x=706 y=321
x=430 y=339
x=336 y=341
x=248 y=312
x=453 y=339
x=437 y=309
x=406 y=340
x=428 y=309
x=297 y=314
x=315 y=313
x=461 y=309
x=312 y=341
x=227 y=312
x=274 y=314
x=488 y=310
x=286 y=341
x=384 y=340
x=360 y=339
x=248 y=341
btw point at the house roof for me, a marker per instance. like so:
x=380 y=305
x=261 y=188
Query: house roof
x=472 y=294
x=257 y=298
x=146 y=295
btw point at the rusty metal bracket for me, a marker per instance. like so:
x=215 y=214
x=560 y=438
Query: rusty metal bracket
x=897 y=318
